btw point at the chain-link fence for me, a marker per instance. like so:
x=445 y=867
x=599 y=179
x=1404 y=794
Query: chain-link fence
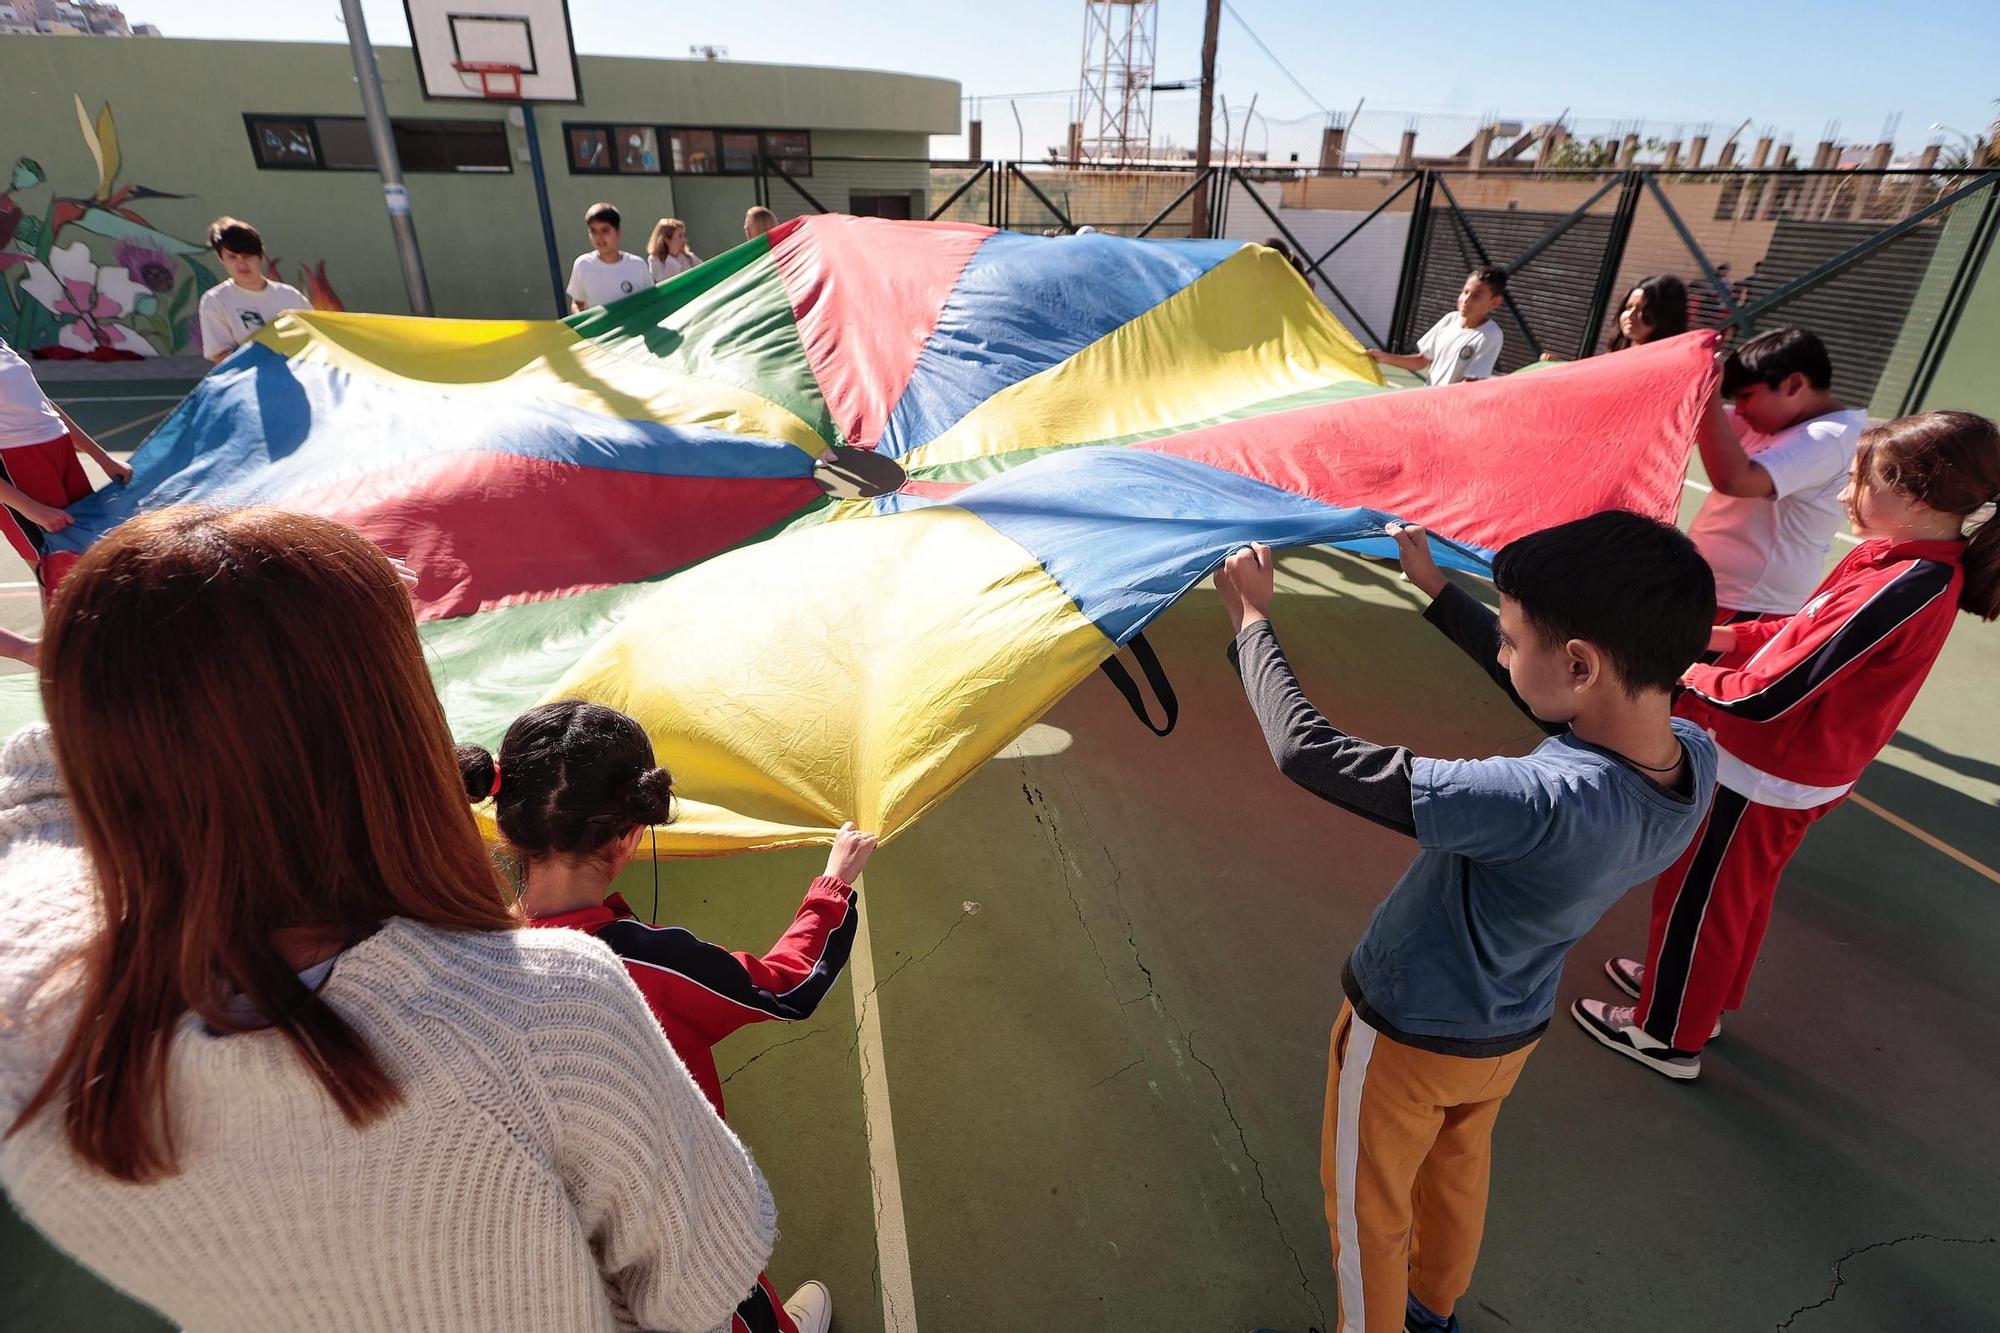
x=1157 y=201
x=1879 y=263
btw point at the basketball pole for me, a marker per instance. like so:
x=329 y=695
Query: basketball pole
x=394 y=194
x=542 y=203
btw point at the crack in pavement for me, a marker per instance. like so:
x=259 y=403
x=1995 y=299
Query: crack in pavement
x=789 y=1041
x=869 y=998
x=1114 y=886
x=1263 y=1192
x=1839 y=1280
x=1038 y=803
x=1127 y=1066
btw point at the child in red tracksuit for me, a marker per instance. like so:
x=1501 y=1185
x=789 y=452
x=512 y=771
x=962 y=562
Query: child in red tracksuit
x=40 y=476
x=1798 y=708
x=575 y=787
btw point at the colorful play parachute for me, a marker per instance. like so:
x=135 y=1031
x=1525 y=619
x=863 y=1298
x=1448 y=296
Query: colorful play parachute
x=1042 y=442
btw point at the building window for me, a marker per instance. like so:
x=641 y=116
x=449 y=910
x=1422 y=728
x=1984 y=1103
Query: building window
x=790 y=150
x=589 y=149
x=895 y=206
x=285 y=145
x=694 y=151
x=638 y=150
x=685 y=150
x=341 y=143
x=344 y=144
x=739 y=153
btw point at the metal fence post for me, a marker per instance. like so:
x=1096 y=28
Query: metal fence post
x=1614 y=255
x=1404 y=313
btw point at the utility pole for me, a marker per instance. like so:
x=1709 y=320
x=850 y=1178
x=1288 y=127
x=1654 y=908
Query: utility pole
x=376 y=110
x=1204 y=136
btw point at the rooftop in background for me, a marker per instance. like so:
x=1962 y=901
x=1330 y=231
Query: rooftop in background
x=69 y=18
x=275 y=135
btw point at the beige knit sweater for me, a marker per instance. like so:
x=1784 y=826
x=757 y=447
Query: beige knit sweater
x=552 y=1166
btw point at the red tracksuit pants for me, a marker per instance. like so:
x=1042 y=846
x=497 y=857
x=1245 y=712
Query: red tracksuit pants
x=1710 y=911
x=53 y=474
x=762 y=1311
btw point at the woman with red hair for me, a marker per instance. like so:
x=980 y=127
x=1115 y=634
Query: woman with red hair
x=275 y=1052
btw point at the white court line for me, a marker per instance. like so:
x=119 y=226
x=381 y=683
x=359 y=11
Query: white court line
x=892 y=1237
x=134 y=423
x=1704 y=488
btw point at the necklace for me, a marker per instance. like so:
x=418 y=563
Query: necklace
x=1668 y=768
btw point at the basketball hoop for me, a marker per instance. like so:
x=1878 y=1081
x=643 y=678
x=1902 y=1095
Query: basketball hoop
x=499 y=82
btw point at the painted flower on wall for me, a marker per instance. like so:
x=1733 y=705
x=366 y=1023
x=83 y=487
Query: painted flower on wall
x=319 y=289
x=147 y=265
x=89 y=298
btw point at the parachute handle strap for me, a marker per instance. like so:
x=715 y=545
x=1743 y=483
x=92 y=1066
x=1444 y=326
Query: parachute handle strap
x=1156 y=676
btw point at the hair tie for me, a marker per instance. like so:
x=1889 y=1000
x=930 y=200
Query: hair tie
x=496 y=781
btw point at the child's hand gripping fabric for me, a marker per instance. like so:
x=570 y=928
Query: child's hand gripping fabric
x=851 y=850
x=1413 y=548
x=1244 y=583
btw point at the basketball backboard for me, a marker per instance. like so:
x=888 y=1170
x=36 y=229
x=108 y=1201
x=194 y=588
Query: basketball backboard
x=459 y=42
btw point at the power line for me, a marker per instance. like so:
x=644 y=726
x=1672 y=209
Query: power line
x=1272 y=57
x=1001 y=97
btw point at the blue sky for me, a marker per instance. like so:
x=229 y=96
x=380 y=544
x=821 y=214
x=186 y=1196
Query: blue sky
x=1792 y=65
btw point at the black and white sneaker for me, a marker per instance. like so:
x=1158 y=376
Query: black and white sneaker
x=1614 y=1027
x=1629 y=975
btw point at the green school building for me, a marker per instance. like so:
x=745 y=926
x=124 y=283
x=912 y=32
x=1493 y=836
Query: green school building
x=130 y=148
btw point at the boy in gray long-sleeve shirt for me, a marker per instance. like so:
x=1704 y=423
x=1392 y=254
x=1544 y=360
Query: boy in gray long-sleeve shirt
x=1454 y=979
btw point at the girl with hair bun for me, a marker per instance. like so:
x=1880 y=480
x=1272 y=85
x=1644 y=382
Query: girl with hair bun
x=574 y=789
x=265 y=1003
x=1799 y=707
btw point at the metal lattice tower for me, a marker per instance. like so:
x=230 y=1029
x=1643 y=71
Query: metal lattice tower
x=1115 y=99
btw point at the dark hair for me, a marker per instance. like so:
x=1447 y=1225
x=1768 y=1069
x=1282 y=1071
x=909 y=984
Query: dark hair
x=574 y=777
x=1769 y=357
x=1951 y=462
x=311 y=786
x=1286 y=252
x=1663 y=299
x=1635 y=587
x=1493 y=277
x=603 y=213
x=234 y=235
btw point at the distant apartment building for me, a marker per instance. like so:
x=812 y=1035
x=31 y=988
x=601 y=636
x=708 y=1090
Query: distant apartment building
x=70 y=18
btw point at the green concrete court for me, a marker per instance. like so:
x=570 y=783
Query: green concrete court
x=1103 y=976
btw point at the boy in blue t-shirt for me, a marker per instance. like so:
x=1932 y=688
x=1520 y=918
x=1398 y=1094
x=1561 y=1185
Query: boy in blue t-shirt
x=1454 y=979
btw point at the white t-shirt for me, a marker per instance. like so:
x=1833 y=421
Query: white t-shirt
x=26 y=414
x=670 y=266
x=1458 y=353
x=231 y=315
x=1768 y=553
x=594 y=282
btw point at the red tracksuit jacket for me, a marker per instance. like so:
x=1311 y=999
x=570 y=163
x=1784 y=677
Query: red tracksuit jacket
x=1825 y=689
x=701 y=992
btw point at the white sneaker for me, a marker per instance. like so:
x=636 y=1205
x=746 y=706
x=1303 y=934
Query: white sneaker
x=811 y=1308
x=1613 y=1027
x=1629 y=975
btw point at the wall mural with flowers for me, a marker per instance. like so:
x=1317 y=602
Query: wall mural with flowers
x=91 y=277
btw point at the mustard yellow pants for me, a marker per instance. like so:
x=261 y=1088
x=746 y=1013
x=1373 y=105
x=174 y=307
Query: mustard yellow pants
x=1405 y=1156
